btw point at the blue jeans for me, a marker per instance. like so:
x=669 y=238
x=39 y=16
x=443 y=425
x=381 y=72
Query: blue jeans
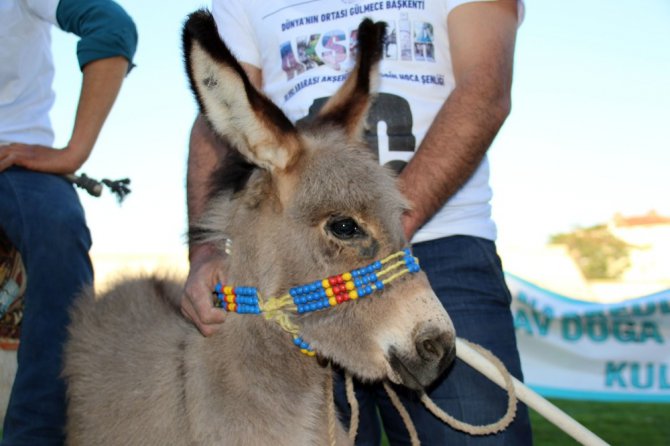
x=467 y=276
x=42 y=216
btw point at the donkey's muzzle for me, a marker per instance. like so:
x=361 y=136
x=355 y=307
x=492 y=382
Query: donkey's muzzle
x=434 y=351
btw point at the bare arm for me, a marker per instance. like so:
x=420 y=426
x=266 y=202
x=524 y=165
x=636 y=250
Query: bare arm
x=207 y=263
x=482 y=37
x=101 y=84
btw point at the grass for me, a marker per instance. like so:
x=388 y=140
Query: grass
x=619 y=424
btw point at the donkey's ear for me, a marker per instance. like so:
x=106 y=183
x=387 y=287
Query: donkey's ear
x=349 y=106
x=234 y=108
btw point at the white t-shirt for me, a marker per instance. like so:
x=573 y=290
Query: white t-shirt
x=304 y=49
x=26 y=71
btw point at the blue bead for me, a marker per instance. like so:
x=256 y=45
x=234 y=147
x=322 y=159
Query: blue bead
x=218 y=287
x=297 y=341
x=377 y=265
x=379 y=284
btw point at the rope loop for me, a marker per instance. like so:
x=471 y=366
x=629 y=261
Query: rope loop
x=462 y=426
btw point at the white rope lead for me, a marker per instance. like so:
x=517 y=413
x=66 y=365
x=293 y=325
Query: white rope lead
x=490 y=366
x=552 y=413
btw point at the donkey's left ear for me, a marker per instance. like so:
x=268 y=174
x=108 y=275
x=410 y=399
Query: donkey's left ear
x=235 y=109
x=349 y=106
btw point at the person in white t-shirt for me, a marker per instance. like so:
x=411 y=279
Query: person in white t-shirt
x=443 y=96
x=40 y=212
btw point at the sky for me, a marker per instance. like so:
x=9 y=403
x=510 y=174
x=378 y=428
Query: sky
x=587 y=136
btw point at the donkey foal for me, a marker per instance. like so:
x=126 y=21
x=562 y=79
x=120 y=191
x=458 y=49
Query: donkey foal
x=300 y=204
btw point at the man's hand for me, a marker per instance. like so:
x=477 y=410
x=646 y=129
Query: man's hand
x=38 y=158
x=207 y=268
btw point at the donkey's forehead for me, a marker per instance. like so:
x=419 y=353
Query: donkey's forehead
x=343 y=178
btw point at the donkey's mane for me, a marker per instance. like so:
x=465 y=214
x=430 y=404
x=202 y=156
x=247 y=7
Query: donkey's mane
x=231 y=175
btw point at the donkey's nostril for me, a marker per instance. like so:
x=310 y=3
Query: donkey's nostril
x=430 y=348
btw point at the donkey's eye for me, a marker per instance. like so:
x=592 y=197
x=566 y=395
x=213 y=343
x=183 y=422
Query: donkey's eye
x=345 y=228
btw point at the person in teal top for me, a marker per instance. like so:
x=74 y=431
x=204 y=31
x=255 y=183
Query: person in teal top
x=40 y=212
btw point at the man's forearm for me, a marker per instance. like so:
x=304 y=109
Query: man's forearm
x=482 y=37
x=205 y=154
x=452 y=150
x=101 y=84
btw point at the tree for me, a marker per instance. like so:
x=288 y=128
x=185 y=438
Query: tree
x=597 y=252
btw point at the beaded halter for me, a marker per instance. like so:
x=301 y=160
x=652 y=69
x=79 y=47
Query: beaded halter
x=318 y=295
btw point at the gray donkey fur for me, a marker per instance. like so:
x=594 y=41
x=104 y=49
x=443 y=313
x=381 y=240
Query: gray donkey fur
x=308 y=203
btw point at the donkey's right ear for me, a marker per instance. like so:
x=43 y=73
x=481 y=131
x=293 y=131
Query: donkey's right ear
x=349 y=106
x=235 y=109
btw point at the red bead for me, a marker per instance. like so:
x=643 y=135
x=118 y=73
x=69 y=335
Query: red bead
x=339 y=278
x=339 y=298
x=332 y=280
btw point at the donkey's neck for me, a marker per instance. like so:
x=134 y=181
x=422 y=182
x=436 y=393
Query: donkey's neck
x=254 y=372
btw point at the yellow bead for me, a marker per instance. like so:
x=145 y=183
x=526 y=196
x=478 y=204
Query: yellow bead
x=349 y=286
x=232 y=307
x=353 y=294
x=311 y=353
x=325 y=283
x=332 y=301
x=227 y=290
x=329 y=292
x=230 y=298
x=346 y=276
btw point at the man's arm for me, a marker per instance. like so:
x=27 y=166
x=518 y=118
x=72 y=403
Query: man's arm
x=482 y=37
x=100 y=86
x=107 y=46
x=207 y=263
